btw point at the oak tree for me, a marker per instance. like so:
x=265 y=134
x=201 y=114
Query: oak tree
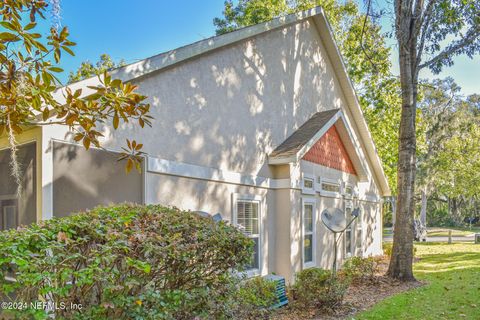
x=429 y=35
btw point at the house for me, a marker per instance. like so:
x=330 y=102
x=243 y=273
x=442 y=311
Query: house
x=261 y=125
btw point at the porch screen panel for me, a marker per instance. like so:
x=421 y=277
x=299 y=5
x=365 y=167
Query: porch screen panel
x=85 y=179
x=19 y=209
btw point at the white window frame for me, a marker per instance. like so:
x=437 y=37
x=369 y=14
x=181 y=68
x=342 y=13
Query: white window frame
x=358 y=226
x=309 y=201
x=236 y=197
x=349 y=204
x=327 y=193
x=309 y=177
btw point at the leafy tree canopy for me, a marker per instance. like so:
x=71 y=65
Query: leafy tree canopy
x=87 y=69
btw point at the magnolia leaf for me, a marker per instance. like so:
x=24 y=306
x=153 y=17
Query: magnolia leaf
x=8 y=37
x=115 y=120
x=45 y=114
x=86 y=142
x=129 y=166
x=29 y=26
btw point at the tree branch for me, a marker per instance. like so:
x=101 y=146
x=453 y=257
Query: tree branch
x=456 y=47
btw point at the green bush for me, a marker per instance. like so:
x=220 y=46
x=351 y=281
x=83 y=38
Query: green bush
x=359 y=269
x=387 y=248
x=318 y=288
x=253 y=299
x=124 y=262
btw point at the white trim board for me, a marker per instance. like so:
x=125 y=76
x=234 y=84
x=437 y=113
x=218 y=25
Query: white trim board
x=173 y=168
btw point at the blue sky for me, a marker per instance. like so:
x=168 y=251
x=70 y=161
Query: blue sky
x=133 y=30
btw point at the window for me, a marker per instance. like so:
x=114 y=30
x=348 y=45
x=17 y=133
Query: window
x=358 y=235
x=308 y=232
x=349 y=191
x=330 y=187
x=248 y=221
x=348 y=231
x=308 y=184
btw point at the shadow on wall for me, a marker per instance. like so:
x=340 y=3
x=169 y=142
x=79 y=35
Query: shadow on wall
x=85 y=179
x=229 y=109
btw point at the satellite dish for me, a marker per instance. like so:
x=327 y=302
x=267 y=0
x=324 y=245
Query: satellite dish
x=216 y=217
x=203 y=214
x=334 y=219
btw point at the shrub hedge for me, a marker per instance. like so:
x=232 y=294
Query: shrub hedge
x=359 y=269
x=318 y=288
x=127 y=262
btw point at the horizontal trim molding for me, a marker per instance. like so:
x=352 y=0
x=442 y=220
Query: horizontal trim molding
x=180 y=169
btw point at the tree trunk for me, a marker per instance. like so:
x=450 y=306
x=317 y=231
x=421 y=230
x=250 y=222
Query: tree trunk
x=394 y=210
x=402 y=253
x=423 y=210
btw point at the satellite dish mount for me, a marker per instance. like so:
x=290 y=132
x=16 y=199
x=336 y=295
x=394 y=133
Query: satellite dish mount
x=336 y=221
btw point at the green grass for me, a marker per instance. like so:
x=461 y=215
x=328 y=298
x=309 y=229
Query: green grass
x=452 y=273
x=456 y=232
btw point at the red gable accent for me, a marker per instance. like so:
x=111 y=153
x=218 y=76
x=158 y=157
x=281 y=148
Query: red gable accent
x=330 y=152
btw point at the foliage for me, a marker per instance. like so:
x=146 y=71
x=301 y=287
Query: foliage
x=318 y=288
x=449 y=273
x=387 y=248
x=360 y=269
x=367 y=58
x=449 y=168
x=87 y=69
x=429 y=35
x=126 y=262
x=29 y=93
x=254 y=298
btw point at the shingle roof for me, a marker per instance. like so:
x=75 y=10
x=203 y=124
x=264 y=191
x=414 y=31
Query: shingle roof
x=292 y=145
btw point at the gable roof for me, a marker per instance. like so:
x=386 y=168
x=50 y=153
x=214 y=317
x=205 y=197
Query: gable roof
x=194 y=50
x=300 y=138
x=299 y=143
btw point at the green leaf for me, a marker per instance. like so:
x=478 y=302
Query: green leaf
x=8 y=25
x=8 y=37
x=29 y=26
x=115 y=120
x=55 y=69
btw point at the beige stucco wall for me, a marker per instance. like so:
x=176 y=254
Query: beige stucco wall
x=230 y=108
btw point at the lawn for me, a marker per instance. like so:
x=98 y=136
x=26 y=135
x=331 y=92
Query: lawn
x=452 y=290
x=456 y=232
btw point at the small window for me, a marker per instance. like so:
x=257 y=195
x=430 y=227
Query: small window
x=248 y=221
x=308 y=233
x=349 y=191
x=358 y=235
x=331 y=187
x=348 y=233
x=308 y=183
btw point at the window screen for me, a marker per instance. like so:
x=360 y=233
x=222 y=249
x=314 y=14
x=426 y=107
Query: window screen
x=308 y=229
x=249 y=223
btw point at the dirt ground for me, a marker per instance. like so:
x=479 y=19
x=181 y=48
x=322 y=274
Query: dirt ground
x=359 y=297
